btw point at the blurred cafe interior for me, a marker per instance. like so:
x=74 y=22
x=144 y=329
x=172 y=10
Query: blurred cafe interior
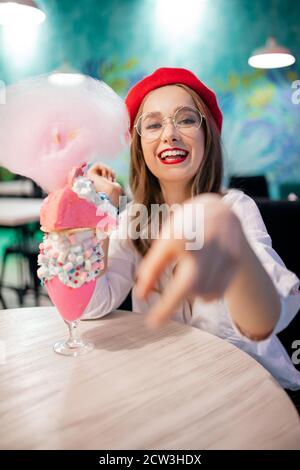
x=247 y=51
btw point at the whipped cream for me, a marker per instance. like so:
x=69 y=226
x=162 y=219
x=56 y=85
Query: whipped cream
x=85 y=189
x=75 y=257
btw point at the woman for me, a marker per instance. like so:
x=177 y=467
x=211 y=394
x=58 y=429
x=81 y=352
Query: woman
x=234 y=286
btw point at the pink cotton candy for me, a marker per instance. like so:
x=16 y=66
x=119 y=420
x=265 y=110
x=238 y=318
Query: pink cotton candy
x=46 y=129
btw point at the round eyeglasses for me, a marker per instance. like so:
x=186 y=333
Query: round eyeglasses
x=185 y=119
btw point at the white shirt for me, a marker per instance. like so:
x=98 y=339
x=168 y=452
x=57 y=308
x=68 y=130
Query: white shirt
x=123 y=260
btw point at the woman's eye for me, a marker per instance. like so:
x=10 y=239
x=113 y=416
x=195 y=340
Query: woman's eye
x=154 y=125
x=187 y=121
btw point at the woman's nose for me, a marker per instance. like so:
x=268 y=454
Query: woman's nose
x=169 y=132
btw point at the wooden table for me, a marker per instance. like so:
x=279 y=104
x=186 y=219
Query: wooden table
x=19 y=211
x=178 y=388
x=16 y=188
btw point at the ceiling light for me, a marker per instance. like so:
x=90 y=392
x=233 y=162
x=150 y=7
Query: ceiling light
x=20 y=12
x=271 y=56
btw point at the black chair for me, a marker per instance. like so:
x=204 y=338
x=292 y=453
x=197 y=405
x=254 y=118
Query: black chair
x=26 y=249
x=127 y=303
x=2 y=301
x=289 y=188
x=254 y=186
x=282 y=221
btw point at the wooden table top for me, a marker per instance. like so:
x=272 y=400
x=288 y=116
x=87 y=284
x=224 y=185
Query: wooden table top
x=16 y=188
x=15 y=211
x=178 y=388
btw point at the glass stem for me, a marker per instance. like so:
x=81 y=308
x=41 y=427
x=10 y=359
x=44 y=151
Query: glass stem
x=74 y=339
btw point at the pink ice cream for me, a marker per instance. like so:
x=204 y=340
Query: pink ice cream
x=71 y=255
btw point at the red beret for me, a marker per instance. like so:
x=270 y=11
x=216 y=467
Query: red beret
x=170 y=76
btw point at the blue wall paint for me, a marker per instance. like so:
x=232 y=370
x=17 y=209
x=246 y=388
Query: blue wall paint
x=118 y=41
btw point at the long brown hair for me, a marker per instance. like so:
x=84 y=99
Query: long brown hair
x=145 y=186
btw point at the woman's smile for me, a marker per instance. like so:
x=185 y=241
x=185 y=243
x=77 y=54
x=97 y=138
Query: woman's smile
x=171 y=156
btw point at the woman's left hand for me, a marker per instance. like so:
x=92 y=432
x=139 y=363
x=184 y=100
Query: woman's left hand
x=204 y=272
x=104 y=179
